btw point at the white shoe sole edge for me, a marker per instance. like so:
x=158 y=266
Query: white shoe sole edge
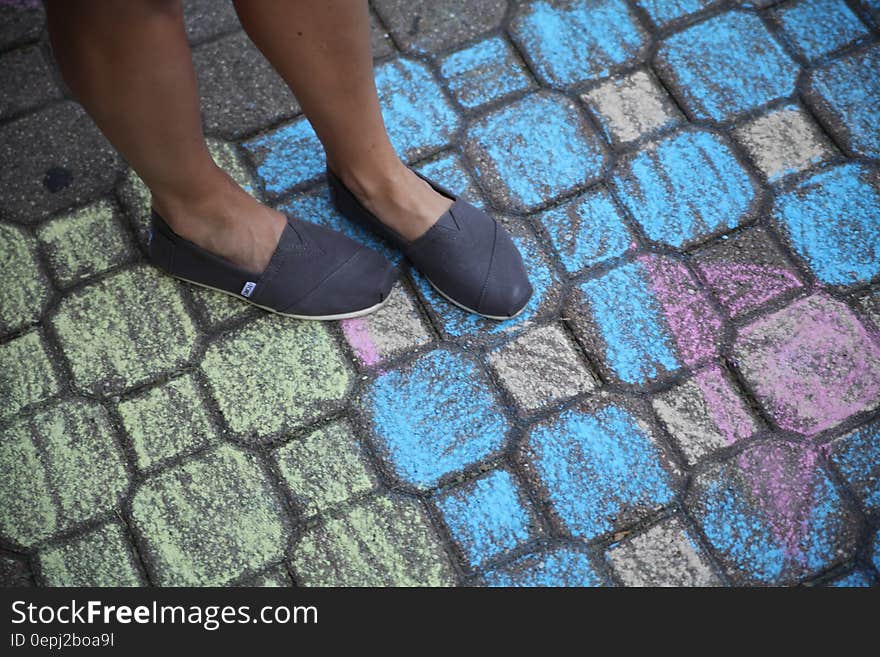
x=317 y=318
x=497 y=318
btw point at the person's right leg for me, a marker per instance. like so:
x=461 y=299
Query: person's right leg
x=129 y=65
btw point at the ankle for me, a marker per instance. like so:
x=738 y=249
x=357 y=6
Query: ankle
x=374 y=182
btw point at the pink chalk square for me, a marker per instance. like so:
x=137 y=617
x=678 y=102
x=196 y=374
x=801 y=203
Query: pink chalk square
x=811 y=364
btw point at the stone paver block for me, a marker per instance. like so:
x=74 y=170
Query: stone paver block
x=273 y=376
x=458 y=323
x=868 y=305
x=434 y=417
x=380 y=40
x=51 y=160
x=664 y=12
x=20 y=22
x=772 y=515
x=85 y=242
x=382 y=541
x=292 y=156
x=487 y=517
x=540 y=368
x=856 y=579
x=240 y=91
x=276 y=577
x=567 y=42
x=205 y=19
x=26 y=374
x=449 y=171
x=646 y=319
x=484 y=72
x=631 y=106
x=599 y=468
x=587 y=230
x=783 y=142
x=61 y=467
x=124 y=330
x=102 y=557
x=818 y=27
x=844 y=251
x=394 y=329
x=26 y=81
x=559 y=566
x=811 y=365
x=746 y=271
x=704 y=413
x=26 y=292
x=166 y=422
x=686 y=187
x=846 y=92
x=136 y=196
x=857 y=457
x=725 y=66
x=325 y=468
x=664 y=555
x=429 y=26
x=533 y=151
x=876 y=558
x=210 y=520
x=14 y=572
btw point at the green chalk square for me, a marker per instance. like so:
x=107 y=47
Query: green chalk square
x=102 y=557
x=325 y=468
x=167 y=421
x=85 y=242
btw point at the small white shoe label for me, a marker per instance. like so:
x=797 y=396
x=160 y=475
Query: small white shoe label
x=248 y=289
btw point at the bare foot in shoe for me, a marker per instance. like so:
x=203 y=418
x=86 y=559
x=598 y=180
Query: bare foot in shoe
x=227 y=221
x=398 y=197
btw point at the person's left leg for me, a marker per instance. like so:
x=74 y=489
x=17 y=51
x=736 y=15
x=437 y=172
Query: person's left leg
x=322 y=50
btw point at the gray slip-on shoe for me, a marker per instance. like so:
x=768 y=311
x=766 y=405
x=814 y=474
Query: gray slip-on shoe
x=314 y=273
x=466 y=255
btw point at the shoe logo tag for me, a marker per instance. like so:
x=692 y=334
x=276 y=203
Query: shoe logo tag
x=248 y=289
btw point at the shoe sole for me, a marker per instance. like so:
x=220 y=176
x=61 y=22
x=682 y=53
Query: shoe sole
x=317 y=318
x=497 y=318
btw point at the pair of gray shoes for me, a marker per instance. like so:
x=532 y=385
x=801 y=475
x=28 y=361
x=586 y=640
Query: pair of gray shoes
x=318 y=273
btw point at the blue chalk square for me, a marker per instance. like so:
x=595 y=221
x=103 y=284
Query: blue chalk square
x=287 y=157
x=600 y=469
x=857 y=579
x=663 y=12
x=857 y=457
x=533 y=151
x=568 y=41
x=726 y=66
x=816 y=28
x=847 y=250
x=587 y=230
x=487 y=517
x=435 y=416
x=484 y=72
x=447 y=170
x=559 y=566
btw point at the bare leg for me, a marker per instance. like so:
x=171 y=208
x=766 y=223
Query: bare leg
x=129 y=65
x=322 y=50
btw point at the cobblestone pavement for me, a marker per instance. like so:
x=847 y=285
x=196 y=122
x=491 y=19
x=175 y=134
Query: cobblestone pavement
x=691 y=398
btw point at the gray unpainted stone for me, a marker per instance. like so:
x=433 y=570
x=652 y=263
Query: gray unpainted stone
x=541 y=367
x=42 y=151
x=26 y=81
x=664 y=555
x=205 y=19
x=240 y=91
x=430 y=26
